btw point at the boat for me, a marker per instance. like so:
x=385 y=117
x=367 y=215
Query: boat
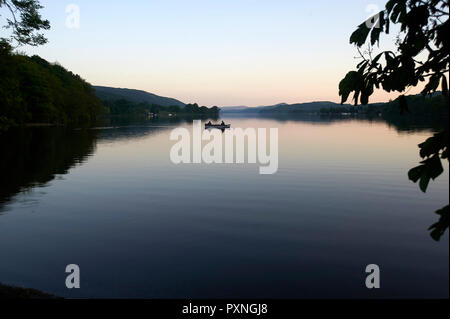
x=218 y=126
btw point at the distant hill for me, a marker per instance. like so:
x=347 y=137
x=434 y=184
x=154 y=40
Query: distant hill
x=233 y=108
x=136 y=96
x=311 y=107
x=419 y=104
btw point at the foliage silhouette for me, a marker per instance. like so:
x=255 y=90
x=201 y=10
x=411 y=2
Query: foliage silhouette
x=127 y=107
x=25 y=22
x=33 y=90
x=424 y=31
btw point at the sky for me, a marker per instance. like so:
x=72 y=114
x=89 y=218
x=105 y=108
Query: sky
x=225 y=53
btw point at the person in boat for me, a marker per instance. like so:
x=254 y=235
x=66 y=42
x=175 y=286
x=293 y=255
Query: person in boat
x=223 y=123
x=209 y=123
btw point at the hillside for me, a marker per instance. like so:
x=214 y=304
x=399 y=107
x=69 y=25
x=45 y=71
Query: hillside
x=311 y=107
x=136 y=96
x=417 y=105
x=33 y=90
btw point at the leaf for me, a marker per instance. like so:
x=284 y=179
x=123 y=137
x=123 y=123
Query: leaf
x=353 y=81
x=434 y=144
x=432 y=85
x=367 y=90
x=356 y=96
x=424 y=181
x=375 y=59
x=364 y=98
x=398 y=12
x=362 y=64
x=402 y=104
x=390 y=5
x=344 y=97
x=444 y=86
x=445 y=154
x=442 y=35
x=391 y=62
x=438 y=229
x=377 y=28
x=375 y=36
x=434 y=167
x=430 y=169
x=388 y=26
x=415 y=173
x=417 y=16
x=359 y=37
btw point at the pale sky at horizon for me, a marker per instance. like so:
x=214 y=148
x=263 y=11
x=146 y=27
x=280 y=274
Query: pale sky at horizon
x=221 y=53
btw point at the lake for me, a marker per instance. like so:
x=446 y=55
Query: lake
x=111 y=201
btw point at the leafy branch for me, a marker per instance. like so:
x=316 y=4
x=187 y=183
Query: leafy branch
x=25 y=21
x=422 y=56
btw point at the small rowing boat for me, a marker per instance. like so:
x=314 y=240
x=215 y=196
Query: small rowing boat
x=218 y=126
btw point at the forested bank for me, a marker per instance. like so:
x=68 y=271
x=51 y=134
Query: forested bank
x=33 y=90
x=412 y=105
x=127 y=107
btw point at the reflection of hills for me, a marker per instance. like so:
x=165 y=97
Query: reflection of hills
x=123 y=128
x=411 y=123
x=110 y=134
x=32 y=157
x=402 y=123
x=131 y=128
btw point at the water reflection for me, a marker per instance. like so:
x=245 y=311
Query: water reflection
x=219 y=231
x=34 y=156
x=400 y=123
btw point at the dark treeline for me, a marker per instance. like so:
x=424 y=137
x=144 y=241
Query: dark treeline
x=195 y=109
x=33 y=90
x=126 y=107
x=417 y=105
x=342 y=110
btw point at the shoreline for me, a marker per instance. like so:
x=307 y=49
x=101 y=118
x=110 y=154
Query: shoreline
x=11 y=292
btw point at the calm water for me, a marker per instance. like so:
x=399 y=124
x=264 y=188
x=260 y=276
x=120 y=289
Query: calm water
x=111 y=201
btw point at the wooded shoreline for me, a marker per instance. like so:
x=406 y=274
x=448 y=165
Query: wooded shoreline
x=10 y=292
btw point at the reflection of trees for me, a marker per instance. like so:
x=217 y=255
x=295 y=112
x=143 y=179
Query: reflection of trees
x=139 y=120
x=121 y=128
x=401 y=123
x=32 y=157
x=110 y=134
x=405 y=123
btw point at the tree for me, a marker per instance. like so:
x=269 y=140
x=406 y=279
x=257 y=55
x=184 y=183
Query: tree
x=25 y=22
x=32 y=90
x=422 y=56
